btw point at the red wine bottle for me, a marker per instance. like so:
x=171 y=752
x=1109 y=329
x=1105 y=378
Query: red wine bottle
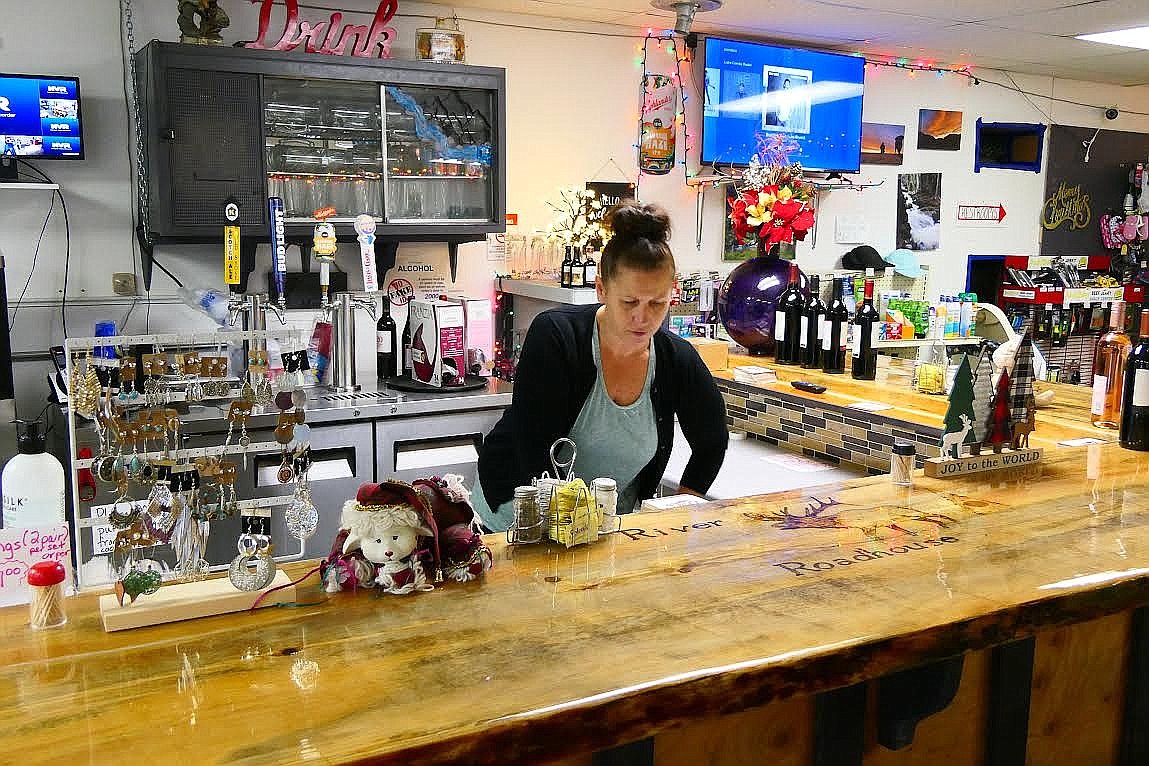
x=834 y=331
x=788 y=321
x=1134 y=432
x=812 y=315
x=864 y=363
x=385 y=342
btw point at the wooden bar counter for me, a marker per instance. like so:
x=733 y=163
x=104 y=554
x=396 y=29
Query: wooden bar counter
x=768 y=630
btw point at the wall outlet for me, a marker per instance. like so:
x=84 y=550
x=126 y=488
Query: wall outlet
x=123 y=283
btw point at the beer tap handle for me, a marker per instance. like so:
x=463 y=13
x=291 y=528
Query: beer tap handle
x=277 y=310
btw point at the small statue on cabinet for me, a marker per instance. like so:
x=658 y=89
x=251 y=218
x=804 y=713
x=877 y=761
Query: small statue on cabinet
x=212 y=21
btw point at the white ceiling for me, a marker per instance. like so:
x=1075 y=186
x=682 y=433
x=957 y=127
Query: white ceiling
x=1033 y=36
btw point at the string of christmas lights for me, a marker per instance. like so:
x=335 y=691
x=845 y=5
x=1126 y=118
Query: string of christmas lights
x=922 y=65
x=667 y=42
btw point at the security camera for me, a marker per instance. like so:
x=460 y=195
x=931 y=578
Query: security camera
x=1112 y=113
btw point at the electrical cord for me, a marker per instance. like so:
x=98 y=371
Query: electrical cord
x=35 y=259
x=162 y=268
x=67 y=244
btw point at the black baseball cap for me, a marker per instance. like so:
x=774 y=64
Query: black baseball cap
x=864 y=257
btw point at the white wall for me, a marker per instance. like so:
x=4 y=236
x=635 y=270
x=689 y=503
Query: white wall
x=572 y=107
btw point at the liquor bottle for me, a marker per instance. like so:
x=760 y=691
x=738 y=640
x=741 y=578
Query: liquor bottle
x=385 y=342
x=812 y=314
x=589 y=271
x=576 y=269
x=1134 y=433
x=864 y=363
x=1108 y=364
x=407 y=344
x=788 y=321
x=565 y=277
x=834 y=330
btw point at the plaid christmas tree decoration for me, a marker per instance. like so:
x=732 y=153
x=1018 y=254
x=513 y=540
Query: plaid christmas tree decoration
x=1021 y=382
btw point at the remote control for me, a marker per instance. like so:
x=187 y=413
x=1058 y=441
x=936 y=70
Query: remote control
x=805 y=385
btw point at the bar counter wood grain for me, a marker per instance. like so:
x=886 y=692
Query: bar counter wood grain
x=708 y=629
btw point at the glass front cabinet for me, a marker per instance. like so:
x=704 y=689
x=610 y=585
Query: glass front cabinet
x=420 y=146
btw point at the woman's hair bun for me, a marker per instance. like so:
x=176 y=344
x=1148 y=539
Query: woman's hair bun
x=632 y=220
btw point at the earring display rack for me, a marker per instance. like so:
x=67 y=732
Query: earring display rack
x=85 y=521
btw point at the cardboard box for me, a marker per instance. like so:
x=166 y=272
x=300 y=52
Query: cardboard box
x=438 y=342
x=480 y=336
x=715 y=353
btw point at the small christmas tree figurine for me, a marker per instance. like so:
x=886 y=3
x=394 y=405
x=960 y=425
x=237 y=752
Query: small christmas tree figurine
x=1021 y=383
x=982 y=399
x=999 y=425
x=959 y=420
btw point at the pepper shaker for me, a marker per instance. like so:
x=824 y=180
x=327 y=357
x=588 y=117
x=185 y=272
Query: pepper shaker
x=46 y=587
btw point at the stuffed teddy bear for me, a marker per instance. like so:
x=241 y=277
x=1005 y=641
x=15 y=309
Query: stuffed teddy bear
x=403 y=537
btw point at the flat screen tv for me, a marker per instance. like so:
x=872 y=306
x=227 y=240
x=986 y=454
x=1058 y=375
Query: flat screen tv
x=753 y=90
x=40 y=117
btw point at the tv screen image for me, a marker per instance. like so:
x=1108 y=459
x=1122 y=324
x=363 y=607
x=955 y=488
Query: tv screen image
x=752 y=90
x=40 y=117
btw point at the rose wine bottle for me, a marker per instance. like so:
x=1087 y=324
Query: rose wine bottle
x=864 y=363
x=1108 y=371
x=1134 y=433
x=835 y=328
x=788 y=321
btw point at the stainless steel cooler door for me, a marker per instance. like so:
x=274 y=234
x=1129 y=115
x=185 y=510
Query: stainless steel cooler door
x=429 y=445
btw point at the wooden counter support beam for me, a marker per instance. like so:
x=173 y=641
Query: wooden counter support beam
x=1135 y=723
x=909 y=696
x=840 y=726
x=1011 y=679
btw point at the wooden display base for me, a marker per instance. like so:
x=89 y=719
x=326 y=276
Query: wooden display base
x=946 y=468
x=187 y=601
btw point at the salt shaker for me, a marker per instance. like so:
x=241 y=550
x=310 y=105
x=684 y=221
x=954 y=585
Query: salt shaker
x=46 y=587
x=605 y=493
x=902 y=464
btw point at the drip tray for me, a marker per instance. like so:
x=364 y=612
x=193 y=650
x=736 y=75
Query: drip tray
x=355 y=397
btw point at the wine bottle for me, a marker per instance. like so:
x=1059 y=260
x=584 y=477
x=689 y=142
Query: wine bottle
x=576 y=268
x=385 y=342
x=788 y=321
x=864 y=363
x=834 y=331
x=565 y=274
x=1108 y=366
x=1134 y=432
x=589 y=271
x=812 y=314
x=407 y=344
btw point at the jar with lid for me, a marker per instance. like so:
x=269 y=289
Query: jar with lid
x=902 y=464
x=528 y=523
x=605 y=493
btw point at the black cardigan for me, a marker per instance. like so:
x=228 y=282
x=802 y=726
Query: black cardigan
x=556 y=373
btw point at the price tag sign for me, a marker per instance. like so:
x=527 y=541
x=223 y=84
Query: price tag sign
x=20 y=549
x=231 y=255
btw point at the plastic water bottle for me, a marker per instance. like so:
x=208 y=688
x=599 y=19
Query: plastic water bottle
x=33 y=482
x=212 y=302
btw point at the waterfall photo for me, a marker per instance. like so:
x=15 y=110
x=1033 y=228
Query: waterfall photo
x=919 y=210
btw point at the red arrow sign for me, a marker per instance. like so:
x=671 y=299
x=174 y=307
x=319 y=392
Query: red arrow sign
x=981 y=213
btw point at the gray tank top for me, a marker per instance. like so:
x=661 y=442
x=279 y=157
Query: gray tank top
x=615 y=441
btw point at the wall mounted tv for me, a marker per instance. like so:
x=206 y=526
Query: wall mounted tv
x=753 y=90
x=40 y=117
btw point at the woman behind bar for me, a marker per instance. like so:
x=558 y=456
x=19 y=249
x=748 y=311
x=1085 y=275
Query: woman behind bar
x=611 y=379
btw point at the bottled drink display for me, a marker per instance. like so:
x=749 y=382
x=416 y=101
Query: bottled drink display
x=788 y=321
x=1108 y=368
x=864 y=362
x=385 y=342
x=812 y=315
x=565 y=269
x=834 y=330
x=1134 y=433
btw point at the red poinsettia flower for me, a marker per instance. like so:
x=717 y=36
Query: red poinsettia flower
x=786 y=209
x=803 y=222
x=741 y=229
x=779 y=232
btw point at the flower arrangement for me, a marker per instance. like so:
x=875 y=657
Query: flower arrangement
x=578 y=219
x=775 y=202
